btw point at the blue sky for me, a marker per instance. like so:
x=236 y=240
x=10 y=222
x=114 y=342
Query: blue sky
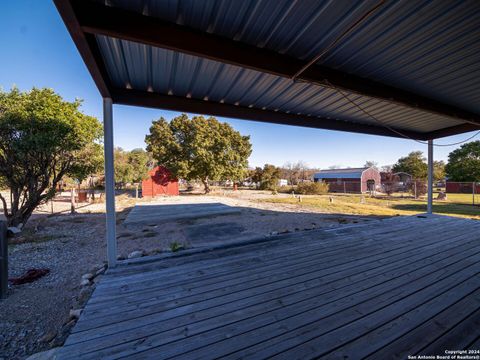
x=38 y=51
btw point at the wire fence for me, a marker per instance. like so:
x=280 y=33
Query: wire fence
x=396 y=188
x=456 y=192
x=467 y=192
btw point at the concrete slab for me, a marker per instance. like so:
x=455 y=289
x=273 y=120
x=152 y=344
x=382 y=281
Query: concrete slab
x=212 y=234
x=154 y=214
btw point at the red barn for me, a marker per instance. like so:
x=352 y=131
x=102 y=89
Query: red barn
x=160 y=182
x=354 y=180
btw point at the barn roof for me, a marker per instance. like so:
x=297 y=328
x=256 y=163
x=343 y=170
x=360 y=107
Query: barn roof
x=400 y=68
x=350 y=173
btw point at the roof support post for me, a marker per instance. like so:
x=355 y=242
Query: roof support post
x=430 y=177
x=109 y=181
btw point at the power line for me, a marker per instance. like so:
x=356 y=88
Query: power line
x=393 y=129
x=335 y=42
x=338 y=39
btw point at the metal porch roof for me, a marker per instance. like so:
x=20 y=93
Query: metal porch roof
x=411 y=69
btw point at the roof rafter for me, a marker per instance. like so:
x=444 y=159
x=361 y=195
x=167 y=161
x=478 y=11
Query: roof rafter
x=118 y=23
x=177 y=103
x=83 y=44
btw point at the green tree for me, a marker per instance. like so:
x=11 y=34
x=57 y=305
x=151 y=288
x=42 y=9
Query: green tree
x=464 y=163
x=42 y=138
x=267 y=177
x=90 y=161
x=141 y=162
x=199 y=149
x=438 y=170
x=131 y=166
x=413 y=164
x=123 y=167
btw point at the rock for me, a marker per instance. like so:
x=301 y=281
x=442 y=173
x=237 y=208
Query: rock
x=75 y=313
x=44 y=355
x=14 y=230
x=84 y=295
x=67 y=326
x=48 y=336
x=442 y=196
x=100 y=271
x=98 y=267
x=85 y=282
x=88 y=276
x=124 y=234
x=121 y=257
x=135 y=254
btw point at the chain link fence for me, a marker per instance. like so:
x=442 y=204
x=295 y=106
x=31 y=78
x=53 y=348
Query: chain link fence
x=467 y=192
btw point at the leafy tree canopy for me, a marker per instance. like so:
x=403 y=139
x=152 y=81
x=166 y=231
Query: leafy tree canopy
x=199 y=148
x=42 y=139
x=131 y=166
x=267 y=176
x=413 y=164
x=439 y=170
x=464 y=163
x=89 y=161
x=141 y=162
x=123 y=168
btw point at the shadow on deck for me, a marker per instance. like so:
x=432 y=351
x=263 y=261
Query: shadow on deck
x=386 y=289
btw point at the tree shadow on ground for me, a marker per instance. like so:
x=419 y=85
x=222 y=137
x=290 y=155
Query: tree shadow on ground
x=447 y=208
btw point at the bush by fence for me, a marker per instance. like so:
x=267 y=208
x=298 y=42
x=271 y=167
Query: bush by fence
x=312 y=188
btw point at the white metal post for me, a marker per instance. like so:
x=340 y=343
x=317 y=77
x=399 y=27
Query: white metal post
x=430 y=177
x=109 y=181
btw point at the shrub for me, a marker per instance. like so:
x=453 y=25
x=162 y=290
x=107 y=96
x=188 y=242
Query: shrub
x=418 y=188
x=175 y=246
x=312 y=188
x=390 y=183
x=286 y=189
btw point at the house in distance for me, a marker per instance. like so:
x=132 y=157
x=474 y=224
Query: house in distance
x=353 y=180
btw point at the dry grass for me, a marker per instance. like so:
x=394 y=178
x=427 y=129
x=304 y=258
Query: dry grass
x=456 y=205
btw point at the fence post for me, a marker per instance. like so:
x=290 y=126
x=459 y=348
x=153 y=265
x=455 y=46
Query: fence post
x=72 y=201
x=473 y=193
x=3 y=260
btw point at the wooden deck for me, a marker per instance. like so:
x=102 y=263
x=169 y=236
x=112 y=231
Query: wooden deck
x=384 y=290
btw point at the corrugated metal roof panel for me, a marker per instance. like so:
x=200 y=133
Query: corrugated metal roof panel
x=428 y=47
x=142 y=67
x=352 y=173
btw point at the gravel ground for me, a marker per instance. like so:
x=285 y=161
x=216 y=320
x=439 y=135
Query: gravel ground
x=36 y=316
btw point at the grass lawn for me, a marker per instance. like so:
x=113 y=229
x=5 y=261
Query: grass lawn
x=456 y=205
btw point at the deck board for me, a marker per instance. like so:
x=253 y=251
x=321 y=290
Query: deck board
x=404 y=285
